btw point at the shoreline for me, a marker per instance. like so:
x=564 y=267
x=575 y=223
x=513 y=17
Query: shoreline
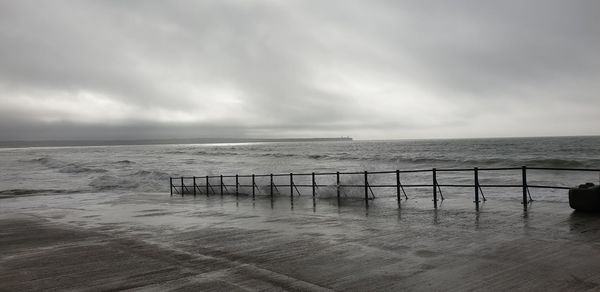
x=156 y=242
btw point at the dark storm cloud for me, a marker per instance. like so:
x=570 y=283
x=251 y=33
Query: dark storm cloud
x=377 y=69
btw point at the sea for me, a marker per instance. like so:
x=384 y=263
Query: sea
x=148 y=168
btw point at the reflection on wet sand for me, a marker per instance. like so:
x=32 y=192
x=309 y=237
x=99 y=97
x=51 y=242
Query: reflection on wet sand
x=266 y=244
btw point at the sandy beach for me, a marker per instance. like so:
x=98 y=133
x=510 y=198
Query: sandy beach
x=156 y=242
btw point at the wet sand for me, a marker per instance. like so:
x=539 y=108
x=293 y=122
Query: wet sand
x=156 y=242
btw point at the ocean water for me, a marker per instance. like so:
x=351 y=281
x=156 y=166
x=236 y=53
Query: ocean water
x=147 y=168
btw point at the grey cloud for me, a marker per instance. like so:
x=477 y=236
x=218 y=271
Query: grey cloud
x=485 y=57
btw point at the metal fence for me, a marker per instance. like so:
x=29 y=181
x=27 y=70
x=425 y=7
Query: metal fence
x=202 y=184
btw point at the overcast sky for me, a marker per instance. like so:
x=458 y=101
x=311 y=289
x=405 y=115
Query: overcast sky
x=368 y=69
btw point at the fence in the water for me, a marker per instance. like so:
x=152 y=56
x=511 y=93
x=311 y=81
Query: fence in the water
x=202 y=184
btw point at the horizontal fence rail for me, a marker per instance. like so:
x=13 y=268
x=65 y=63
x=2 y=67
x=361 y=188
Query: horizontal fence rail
x=202 y=184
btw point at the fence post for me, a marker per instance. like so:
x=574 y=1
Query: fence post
x=524 y=173
x=292 y=187
x=236 y=186
x=253 y=187
x=398 y=186
x=271 y=186
x=171 y=185
x=366 y=189
x=221 y=185
x=434 y=187
x=314 y=191
x=476 y=177
x=182 y=186
x=207 y=186
x=337 y=181
x=194 y=178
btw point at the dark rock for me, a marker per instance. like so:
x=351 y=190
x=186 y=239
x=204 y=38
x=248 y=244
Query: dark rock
x=585 y=198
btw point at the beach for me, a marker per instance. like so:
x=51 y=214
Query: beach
x=102 y=218
x=299 y=146
x=151 y=241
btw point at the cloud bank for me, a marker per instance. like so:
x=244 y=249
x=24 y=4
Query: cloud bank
x=368 y=69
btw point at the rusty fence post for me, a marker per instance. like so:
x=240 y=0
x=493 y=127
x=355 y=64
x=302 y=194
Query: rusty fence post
x=434 y=187
x=207 y=186
x=221 y=185
x=253 y=187
x=194 y=181
x=476 y=178
x=292 y=187
x=398 y=186
x=182 y=186
x=271 y=175
x=337 y=181
x=524 y=174
x=366 y=189
x=314 y=191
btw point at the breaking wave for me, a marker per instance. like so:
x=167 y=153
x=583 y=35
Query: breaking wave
x=142 y=180
x=66 y=167
x=110 y=182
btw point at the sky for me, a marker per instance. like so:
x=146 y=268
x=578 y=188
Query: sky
x=366 y=69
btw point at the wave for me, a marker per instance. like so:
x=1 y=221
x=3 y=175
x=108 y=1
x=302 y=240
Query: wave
x=176 y=152
x=462 y=161
x=560 y=163
x=278 y=155
x=505 y=162
x=318 y=156
x=47 y=161
x=110 y=182
x=150 y=173
x=532 y=162
x=66 y=167
x=420 y=160
x=217 y=153
x=142 y=180
x=74 y=168
x=30 y=192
